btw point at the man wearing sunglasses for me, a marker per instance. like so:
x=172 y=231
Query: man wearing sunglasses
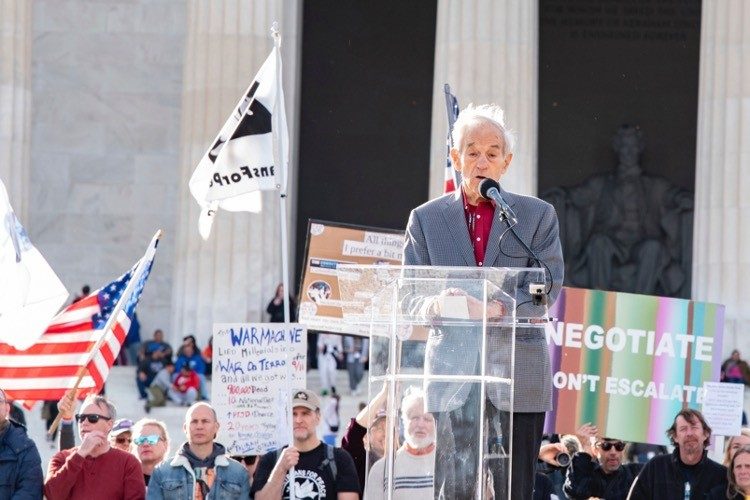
x=151 y=444
x=94 y=469
x=20 y=465
x=603 y=475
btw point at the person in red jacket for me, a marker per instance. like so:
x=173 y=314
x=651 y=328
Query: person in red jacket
x=184 y=390
x=94 y=469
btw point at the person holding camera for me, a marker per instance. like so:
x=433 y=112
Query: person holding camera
x=602 y=475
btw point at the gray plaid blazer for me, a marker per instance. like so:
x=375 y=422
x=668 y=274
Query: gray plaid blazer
x=437 y=234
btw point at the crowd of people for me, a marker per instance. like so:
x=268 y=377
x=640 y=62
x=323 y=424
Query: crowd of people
x=433 y=451
x=117 y=458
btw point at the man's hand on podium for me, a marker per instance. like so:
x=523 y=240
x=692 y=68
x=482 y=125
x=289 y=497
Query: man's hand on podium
x=456 y=303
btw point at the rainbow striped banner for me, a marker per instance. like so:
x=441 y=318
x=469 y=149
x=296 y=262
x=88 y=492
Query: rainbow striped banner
x=629 y=363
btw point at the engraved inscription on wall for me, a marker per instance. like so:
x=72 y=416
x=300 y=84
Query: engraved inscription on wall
x=636 y=20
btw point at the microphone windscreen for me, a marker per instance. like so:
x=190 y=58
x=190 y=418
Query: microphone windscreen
x=485 y=185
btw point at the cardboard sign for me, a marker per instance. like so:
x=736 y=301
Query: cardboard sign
x=329 y=245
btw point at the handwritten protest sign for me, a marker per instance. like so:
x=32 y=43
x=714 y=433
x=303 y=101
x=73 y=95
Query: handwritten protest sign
x=722 y=407
x=255 y=368
x=628 y=363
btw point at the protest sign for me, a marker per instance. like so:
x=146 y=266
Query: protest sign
x=328 y=246
x=255 y=368
x=629 y=363
x=722 y=407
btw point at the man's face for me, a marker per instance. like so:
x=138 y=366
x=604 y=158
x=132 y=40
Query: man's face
x=103 y=425
x=159 y=336
x=610 y=460
x=419 y=426
x=305 y=423
x=481 y=155
x=200 y=425
x=689 y=436
x=151 y=453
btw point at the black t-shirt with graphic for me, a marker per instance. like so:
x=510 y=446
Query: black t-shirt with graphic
x=314 y=478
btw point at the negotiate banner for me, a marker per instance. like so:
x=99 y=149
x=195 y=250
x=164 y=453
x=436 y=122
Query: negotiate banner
x=629 y=363
x=330 y=244
x=255 y=368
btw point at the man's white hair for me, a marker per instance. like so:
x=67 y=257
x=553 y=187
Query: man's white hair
x=412 y=395
x=488 y=113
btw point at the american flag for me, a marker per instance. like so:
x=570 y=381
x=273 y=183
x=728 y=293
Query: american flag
x=452 y=177
x=51 y=366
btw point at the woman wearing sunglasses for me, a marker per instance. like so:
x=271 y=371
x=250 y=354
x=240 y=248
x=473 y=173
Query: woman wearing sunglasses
x=121 y=435
x=151 y=444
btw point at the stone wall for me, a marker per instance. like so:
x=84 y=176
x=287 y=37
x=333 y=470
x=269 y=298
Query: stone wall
x=105 y=130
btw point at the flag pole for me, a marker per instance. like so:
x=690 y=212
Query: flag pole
x=112 y=318
x=451 y=105
x=280 y=160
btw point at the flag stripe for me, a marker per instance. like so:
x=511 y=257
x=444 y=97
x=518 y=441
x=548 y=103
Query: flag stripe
x=61 y=383
x=20 y=361
x=40 y=372
x=44 y=348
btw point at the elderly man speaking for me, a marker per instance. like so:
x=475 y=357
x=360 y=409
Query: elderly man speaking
x=464 y=229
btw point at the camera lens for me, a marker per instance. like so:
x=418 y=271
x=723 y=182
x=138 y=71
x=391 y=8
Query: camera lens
x=563 y=459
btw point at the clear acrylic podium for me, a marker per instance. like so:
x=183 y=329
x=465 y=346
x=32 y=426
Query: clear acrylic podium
x=442 y=356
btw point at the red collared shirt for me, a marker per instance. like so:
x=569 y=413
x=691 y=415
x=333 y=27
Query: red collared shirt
x=479 y=220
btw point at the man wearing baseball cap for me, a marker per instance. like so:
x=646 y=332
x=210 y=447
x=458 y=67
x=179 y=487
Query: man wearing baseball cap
x=321 y=471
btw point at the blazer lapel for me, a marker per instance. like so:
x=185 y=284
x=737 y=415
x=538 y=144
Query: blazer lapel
x=492 y=253
x=455 y=220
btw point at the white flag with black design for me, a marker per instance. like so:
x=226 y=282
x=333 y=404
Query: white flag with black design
x=250 y=153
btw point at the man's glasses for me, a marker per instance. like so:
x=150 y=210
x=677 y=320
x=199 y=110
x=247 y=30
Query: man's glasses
x=123 y=440
x=91 y=417
x=607 y=445
x=151 y=439
x=247 y=459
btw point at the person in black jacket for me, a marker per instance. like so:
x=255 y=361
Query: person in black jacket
x=603 y=476
x=275 y=308
x=687 y=472
x=20 y=464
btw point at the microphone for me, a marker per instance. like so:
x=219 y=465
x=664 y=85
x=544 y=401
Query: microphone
x=490 y=190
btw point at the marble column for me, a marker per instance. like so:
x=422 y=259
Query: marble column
x=232 y=276
x=15 y=100
x=721 y=244
x=487 y=51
